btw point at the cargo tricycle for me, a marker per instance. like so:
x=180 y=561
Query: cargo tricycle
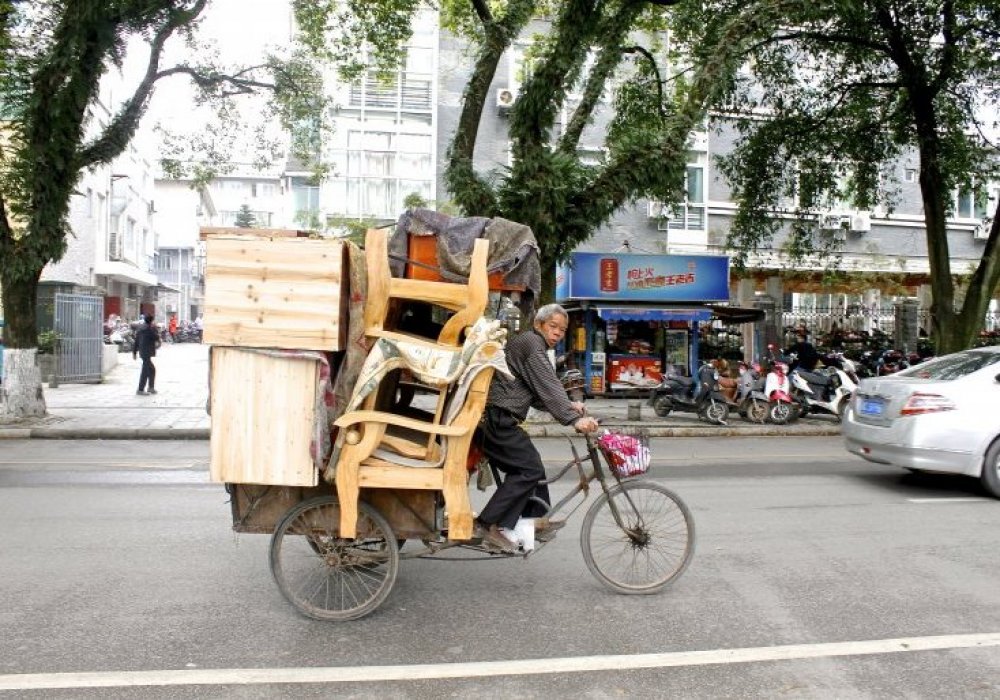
x=637 y=535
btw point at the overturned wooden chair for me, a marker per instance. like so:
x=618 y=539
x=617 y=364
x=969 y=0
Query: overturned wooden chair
x=382 y=449
x=389 y=451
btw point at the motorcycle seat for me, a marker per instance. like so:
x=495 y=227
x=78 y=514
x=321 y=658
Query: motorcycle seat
x=680 y=380
x=816 y=378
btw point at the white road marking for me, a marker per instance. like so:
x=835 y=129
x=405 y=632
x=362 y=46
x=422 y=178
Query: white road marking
x=481 y=669
x=956 y=499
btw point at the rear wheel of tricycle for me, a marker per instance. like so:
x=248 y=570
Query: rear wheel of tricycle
x=325 y=576
x=652 y=546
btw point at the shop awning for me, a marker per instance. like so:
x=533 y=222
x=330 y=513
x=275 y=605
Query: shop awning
x=639 y=313
x=705 y=312
x=736 y=314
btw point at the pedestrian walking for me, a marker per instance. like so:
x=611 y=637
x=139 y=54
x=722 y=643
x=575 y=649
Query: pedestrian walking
x=146 y=342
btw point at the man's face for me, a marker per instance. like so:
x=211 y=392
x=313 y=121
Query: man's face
x=553 y=329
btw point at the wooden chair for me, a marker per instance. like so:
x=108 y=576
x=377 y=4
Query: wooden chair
x=376 y=451
x=374 y=457
x=467 y=301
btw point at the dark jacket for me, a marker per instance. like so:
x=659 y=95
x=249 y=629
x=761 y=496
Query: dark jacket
x=535 y=383
x=147 y=339
x=807 y=355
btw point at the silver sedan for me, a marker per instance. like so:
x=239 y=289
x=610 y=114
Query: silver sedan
x=938 y=416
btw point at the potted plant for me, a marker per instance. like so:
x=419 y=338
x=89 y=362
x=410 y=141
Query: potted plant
x=45 y=358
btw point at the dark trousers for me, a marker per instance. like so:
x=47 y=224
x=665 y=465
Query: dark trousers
x=510 y=450
x=147 y=373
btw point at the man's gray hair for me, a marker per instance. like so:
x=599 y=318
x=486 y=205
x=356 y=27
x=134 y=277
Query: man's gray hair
x=548 y=311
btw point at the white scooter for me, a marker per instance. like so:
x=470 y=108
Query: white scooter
x=826 y=390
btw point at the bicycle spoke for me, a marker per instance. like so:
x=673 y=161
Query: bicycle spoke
x=651 y=546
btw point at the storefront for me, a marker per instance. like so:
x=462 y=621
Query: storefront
x=633 y=316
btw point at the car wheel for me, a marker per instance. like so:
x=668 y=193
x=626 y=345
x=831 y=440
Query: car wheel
x=991 y=470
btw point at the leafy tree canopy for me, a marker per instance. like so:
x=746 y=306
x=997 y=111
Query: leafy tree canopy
x=838 y=94
x=585 y=49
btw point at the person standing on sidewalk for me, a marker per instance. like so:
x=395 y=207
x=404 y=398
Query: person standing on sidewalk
x=146 y=342
x=505 y=442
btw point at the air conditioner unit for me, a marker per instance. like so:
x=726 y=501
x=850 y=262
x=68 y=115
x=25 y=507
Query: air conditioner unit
x=982 y=230
x=861 y=222
x=654 y=209
x=505 y=100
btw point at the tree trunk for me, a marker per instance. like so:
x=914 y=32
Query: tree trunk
x=21 y=395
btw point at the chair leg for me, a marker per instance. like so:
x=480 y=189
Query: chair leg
x=348 y=489
x=456 y=498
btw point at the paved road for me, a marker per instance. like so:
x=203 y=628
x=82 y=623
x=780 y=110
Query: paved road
x=818 y=578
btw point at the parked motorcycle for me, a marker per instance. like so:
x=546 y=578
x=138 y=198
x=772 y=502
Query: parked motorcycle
x=827 y=390
x=680 y=393
x=751 y=402
x=782 y=408
x=890 y=362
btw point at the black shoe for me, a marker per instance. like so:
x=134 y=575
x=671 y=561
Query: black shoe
x=151 y=391
x=140 y=393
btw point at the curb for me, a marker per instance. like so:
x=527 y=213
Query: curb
x=104 y=433
x=551 y=430
x=542 y=430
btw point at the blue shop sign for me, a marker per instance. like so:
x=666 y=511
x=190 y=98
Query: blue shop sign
x=649 y=278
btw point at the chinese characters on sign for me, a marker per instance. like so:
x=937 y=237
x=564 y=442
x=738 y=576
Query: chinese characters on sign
x=639 y=278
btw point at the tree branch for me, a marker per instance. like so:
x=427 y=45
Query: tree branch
x=610 y=57
x=122 y=127
x=470 y=190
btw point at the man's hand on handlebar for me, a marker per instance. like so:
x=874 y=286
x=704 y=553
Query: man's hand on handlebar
x=586 y=424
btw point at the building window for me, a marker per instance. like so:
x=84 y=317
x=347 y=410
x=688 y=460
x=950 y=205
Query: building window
x=380 y=169
x=974 y=202
x=910 y=175
x=689 y=215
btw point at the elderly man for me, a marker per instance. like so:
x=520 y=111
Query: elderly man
x=507 y=445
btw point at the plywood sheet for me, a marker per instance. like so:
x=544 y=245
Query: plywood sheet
x=263 y=411
x=275 y=293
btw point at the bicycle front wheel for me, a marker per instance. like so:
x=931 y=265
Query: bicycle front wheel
x=650 y=548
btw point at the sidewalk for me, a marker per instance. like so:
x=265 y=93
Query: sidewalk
x=112 y=410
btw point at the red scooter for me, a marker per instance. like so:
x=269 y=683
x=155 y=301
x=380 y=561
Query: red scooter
x=781 y=407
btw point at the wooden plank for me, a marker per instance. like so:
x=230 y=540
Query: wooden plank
x=259 y=509
x=263 y=410
x=280 y=293
x=206 y=232
x=388 y=476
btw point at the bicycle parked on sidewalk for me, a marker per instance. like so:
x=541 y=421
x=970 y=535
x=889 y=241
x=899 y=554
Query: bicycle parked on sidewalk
x=637 y=536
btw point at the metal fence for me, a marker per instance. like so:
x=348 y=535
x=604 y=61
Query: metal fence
x=852 y=329
x=79 y=326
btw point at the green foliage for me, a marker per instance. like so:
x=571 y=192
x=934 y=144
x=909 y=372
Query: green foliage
x=245 y=217
x=847 y=88
x=48 y=341
x=414 y=201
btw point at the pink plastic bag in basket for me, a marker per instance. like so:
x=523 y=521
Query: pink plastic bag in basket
x=628 y=455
